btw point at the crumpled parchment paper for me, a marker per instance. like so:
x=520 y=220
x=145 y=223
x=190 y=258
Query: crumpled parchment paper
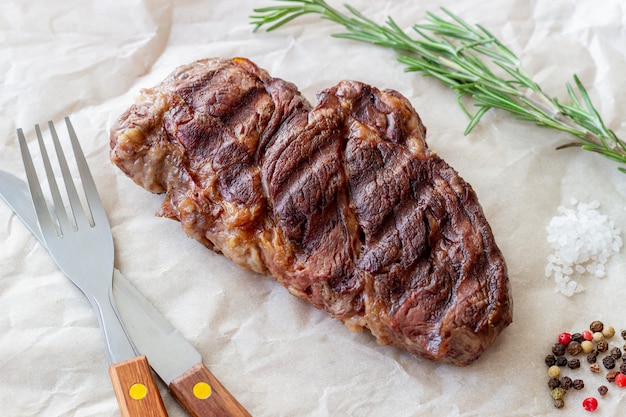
x=276 y=354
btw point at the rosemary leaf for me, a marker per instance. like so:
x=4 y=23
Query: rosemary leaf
x=471 y=61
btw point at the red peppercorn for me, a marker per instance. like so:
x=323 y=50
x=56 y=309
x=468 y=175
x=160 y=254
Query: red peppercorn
x=564 y=338
x=587 y=335
x=590 y=404
x=620 y=380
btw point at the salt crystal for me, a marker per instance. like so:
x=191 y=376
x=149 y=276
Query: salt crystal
x=583 y=240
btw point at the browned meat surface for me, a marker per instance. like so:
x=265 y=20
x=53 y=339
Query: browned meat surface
x=343 y=203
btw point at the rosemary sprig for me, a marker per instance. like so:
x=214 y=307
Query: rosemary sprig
x=471 y=61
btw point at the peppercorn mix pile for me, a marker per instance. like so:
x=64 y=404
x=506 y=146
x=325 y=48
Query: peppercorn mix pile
x=600 y=356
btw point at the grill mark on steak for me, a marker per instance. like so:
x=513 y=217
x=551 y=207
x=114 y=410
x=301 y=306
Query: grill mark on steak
x=306 y=185
x=343 y=203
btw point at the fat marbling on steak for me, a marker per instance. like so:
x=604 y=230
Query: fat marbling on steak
x=343 y=203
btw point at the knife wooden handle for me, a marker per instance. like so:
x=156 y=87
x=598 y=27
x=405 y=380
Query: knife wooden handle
x=202 y=395
x=135 y=388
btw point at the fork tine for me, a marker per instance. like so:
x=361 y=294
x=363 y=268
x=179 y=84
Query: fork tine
x=39 y=202
x=91 y=192
x=57 y=210
x=75 y=204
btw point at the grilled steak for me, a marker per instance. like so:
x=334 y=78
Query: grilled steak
x=343 y=203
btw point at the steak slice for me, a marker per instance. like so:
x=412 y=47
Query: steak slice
x=343 y=204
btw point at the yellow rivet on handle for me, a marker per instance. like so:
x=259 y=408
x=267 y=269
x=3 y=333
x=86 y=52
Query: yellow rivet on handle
x=202 y=390
x=138 y=391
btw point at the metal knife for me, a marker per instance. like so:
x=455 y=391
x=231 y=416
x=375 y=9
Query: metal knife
x=171 y=356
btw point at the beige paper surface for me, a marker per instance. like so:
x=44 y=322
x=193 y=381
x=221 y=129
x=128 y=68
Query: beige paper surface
x=278 y=355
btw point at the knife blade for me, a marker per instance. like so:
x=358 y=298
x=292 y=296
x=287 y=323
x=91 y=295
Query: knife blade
x=171 y=356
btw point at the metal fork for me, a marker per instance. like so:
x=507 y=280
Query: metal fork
x=82 y=247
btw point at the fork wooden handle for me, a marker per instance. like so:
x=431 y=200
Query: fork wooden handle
x=202 y=395
x=135 y=388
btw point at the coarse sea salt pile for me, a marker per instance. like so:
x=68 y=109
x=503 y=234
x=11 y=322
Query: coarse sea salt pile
x=583 y=241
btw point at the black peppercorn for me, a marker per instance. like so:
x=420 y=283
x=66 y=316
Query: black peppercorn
x=611 y=376
x=574 y=348
x=573 y=364
x=616 y=353
x=603 y=389
x=602 y=346
x=550 y=360
x=622 y=368
x=559 y=403
x=608 y=362
x=577 y=337
x=592 y=357
x=578 y=384
x=565 y=382
x=558 y=349
x=624 y=334
x=596 y=326
x=562 y=361
x=554 y=383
